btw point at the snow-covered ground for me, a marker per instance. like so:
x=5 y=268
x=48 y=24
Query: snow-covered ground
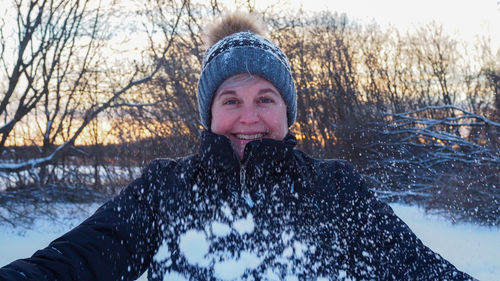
x=471 y=248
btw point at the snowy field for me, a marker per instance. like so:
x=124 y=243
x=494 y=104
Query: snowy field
x=471 y=248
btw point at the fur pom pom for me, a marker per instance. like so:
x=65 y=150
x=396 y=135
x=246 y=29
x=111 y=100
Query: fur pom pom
x=230 y=24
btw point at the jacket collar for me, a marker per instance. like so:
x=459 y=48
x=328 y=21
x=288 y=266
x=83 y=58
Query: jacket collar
x=216 y=151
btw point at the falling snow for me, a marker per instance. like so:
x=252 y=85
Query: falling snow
x=472 y=248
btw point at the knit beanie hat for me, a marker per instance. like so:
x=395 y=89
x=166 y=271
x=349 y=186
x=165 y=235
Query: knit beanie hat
x=237 y=46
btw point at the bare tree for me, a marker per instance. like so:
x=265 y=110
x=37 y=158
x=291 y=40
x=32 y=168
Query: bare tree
x=64 y=77
x=386 y=101
x=57 y=68
x=409 y=156
x=436 y=54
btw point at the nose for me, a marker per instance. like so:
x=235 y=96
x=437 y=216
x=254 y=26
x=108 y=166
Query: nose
x=249 y=115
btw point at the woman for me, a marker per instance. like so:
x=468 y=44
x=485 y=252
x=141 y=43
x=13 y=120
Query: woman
x=248 y=206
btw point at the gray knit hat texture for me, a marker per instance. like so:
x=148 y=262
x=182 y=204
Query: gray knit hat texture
x=245 y=52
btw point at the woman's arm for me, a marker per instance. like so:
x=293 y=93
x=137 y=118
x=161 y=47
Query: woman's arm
x=115 y=243
x=382 y=245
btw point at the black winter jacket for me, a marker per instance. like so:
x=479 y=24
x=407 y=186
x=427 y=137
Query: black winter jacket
x=276 y=215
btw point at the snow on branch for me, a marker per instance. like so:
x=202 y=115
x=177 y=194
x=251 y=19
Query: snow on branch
x=449 y=120
x=89 y=116
x=32 y=163
x=406 y=153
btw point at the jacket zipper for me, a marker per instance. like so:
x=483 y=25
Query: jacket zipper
x=244 y=191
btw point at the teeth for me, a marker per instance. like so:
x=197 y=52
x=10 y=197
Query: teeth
x=250 y=137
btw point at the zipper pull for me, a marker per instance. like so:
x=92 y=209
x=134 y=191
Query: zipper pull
x=244 y=191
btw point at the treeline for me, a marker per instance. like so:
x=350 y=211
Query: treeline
x=417 y=113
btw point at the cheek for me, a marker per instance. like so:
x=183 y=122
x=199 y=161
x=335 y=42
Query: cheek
x=215 y=120
x=283 y=126
x=279 y=124
x=216 y=126
x=220 y=124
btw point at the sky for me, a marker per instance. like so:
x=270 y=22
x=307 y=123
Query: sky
x=464 y=19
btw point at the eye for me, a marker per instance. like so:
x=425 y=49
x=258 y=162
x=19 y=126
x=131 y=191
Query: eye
x=266 y=100
x=230 y=102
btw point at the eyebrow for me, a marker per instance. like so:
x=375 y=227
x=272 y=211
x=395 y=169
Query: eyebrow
x=268 y=90
x=231 y=92
x=223 y=93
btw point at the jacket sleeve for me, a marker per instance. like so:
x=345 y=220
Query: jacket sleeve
x=116 y=243
x=383 y=247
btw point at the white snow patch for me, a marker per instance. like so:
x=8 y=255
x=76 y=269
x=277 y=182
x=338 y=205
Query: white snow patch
x=288 y=252
x=220 y=229
x=286 y=237
x=163 y=252
x=299 y=248
x=227 y=212
x=174 y=276
x=234 y=268
x=270 y=275
x=194 y=245
x=244 y=225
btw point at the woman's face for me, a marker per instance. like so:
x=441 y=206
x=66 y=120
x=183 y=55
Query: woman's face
x=247 y=107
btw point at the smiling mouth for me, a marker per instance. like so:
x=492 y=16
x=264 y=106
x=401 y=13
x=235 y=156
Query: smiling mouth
x=250 y=137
